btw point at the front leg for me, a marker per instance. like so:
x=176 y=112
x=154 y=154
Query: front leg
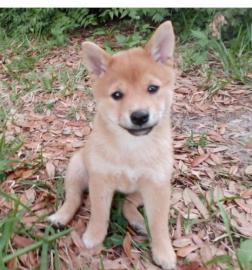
x=101 y=194
x=156 y=198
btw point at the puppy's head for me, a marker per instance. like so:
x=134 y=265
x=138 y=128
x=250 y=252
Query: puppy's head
x=134 y=88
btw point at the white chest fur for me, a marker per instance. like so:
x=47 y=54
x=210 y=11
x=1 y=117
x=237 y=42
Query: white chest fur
x=133 y=159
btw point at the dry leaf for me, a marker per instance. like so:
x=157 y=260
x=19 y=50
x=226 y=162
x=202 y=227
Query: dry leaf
x=206 y=252
x=197 y=240
x=12 y=264
x=198 y=160
x=233 y=170
x=77 y=240
x=28 y=197
x=27 y=173
x=50 y=169
x=149 y=266
x=248 y=170
x=78 y=144
x=184 y=251
x=182 y=242
x=127 y=245
x=190 y=266
x=21 y=241
x=247 y=208
x=220 y=149
x=197 y=202
x=117 y=264
x=178 y=232
x=186 y=196
x=247 y=231
x=218 y=194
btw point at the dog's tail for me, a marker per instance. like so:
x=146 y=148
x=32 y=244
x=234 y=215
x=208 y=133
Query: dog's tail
x=131 y=213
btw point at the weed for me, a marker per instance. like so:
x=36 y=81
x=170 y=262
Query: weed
x=12 y=225
x=235 y=58
x=59 y=190
x=3 y=118
x=192 y=58
x=243 y=253
x=130 y=41
x=192 y=142
x=21 y=64
x=73 y=112
x=48 y=79
x=7 y=150
x=41 y=107
x=213 y=82
x=118 y=224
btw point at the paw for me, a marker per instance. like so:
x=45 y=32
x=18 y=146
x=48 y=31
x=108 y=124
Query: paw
x=167 y=260
x=57 y=220
x=90 y=241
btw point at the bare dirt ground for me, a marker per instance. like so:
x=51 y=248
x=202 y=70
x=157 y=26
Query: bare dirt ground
x=213 y=151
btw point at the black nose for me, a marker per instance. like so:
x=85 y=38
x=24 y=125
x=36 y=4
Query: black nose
x=139 y=117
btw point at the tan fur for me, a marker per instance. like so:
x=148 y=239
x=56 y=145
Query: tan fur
x=115 y=160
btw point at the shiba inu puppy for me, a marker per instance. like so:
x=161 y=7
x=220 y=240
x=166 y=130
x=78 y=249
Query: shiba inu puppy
x=130 y=148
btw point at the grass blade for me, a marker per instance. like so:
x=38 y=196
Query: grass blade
x=36 y=245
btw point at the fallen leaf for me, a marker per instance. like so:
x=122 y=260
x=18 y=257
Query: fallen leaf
x=219 y=149
x=28 y=197
x=149 y=266
x=182 y=242
x=198 y=160
x=218 y=194
x=78 y=144
x=50 y=169
x=117 y=264
x=247 y=231
x=178 y=232
x=233 y=170
x=21 y=241
x=77 y=240
x=190 y=266
x=248 y=170
x=197 y=202
x=206 y=252
x=127 y=245
x=184 y=251
x=27 y=174
x=247 y=208
x=12 y=264
x=197 y=240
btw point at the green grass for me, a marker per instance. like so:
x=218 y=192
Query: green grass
x=193 y=142
x=7 y=150
x=118 y=224
x=242 y=253
x=12 y=225
x=234 y=56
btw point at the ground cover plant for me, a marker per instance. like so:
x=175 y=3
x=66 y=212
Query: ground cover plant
x=46 y=113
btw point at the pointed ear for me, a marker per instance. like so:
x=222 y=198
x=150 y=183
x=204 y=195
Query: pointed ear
x=94 y=58
x=162 y=43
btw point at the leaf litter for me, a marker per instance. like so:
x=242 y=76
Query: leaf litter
x=213 y=160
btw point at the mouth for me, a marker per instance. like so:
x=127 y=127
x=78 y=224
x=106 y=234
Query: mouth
x=139 y=131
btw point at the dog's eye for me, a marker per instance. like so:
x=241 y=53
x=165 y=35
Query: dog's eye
x=152 y=89
x=117 y=95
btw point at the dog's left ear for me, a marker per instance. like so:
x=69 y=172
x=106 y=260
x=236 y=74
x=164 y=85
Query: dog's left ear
x=162 y=43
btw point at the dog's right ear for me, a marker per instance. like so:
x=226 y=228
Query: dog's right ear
x=94 y=58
